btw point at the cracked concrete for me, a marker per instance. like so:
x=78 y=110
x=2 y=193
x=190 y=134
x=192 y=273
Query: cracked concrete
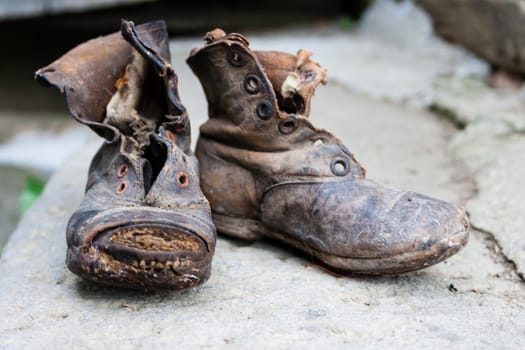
x=264 y=295
x=492 y=145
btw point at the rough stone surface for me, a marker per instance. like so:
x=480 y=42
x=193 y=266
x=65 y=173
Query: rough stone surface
x=492 y=145
x=469 y=100
x=499 y=206
x=263 y=294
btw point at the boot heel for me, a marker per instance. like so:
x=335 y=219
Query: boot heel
x=246 y=229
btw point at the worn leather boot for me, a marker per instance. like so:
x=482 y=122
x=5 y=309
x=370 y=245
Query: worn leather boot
x=269 y=173
x=144 y=222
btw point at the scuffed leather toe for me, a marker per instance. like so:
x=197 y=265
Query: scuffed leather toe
x=356 y=219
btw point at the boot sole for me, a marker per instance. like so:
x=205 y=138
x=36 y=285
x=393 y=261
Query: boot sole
x=249 y=229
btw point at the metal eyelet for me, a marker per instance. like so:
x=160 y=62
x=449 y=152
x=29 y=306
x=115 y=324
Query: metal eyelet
x=340 y=166
x=288 y=125
x=182 y=179
x=122 y=171
x=236 y=57
x=264 y=110
x=121 y=188
x=252 y=83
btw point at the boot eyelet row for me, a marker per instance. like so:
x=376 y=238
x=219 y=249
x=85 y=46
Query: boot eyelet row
x=288 y=125
x=340 y=166
x=252 y=83
x=122 y=171
x=122 y=187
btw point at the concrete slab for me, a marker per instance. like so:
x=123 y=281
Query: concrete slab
x=263 y=295
x=492 y=146
x=469 y=100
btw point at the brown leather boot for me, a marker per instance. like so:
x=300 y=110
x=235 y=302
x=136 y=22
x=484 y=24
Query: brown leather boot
x=268 y=172
x=144 y=222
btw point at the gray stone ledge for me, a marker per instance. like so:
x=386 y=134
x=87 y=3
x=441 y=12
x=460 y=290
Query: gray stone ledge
x=260 y=295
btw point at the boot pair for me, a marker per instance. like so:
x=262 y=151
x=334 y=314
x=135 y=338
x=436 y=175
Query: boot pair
x=267 y=172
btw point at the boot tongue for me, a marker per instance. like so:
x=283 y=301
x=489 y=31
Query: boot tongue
x=156 y=100
x=293 y=77
x=130 y=109
x=147 y=97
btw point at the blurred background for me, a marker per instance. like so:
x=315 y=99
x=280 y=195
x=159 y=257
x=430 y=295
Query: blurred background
x=381 y=40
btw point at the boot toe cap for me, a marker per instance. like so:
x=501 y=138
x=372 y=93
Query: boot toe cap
x=362 y=227
x=140 y=248
x=417 y=222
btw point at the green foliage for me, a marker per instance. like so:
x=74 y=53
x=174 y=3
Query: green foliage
x=32 y=190
x=345 y=23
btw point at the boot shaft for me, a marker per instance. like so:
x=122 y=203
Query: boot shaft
x=255 y=149
x=122 y=84
x=257 y=100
